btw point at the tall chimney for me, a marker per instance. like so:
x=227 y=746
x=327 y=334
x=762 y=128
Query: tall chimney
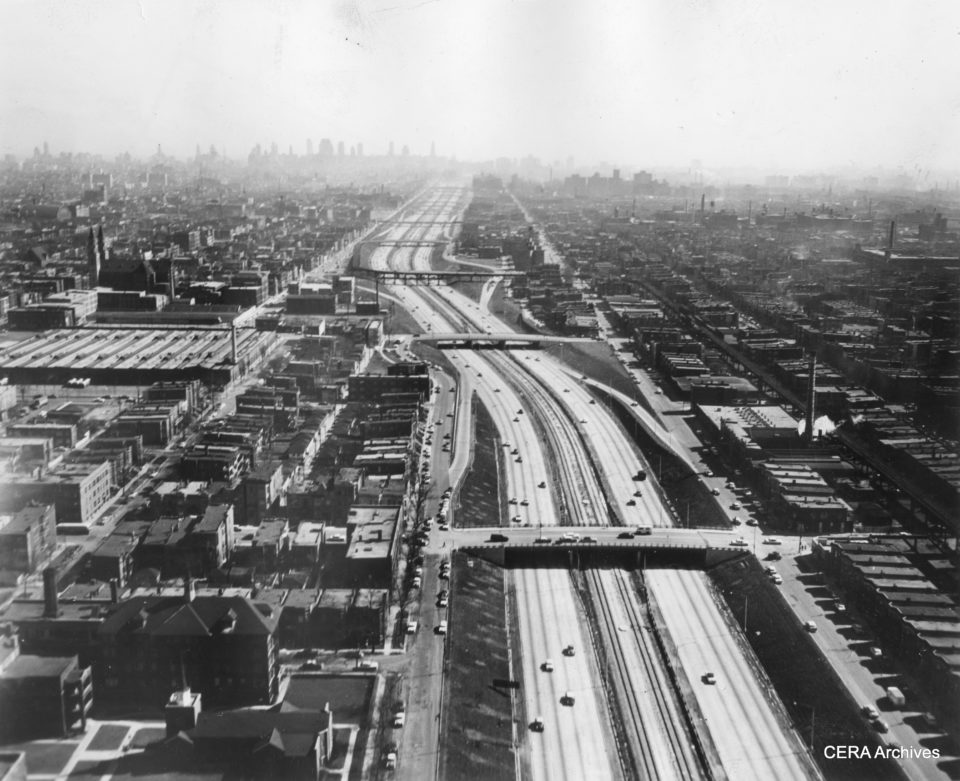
x=114 y=591
x=189 y=590
x=703 y=202
x=51 y=597
x=233 y=343
x=811 y=399
x=889 y=251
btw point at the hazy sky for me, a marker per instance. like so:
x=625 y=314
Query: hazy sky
x=779 y=84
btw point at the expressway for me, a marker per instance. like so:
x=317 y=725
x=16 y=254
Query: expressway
x=576 y=742
x=751 y=743
x=567 y=459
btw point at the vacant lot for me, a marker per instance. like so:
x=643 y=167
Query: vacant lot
x=803 y=679
x=349 y=696
x=476 y=733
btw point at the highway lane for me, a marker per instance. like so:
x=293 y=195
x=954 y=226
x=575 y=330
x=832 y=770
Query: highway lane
x=619 y=458
x=576 y=740
x=750 y=735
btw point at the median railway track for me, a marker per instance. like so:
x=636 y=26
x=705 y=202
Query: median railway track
x=657 y=734
x=576 y=478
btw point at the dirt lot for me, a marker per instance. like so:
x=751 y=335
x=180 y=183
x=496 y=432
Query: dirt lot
x=479 y=503
x=476 y=729
x=801 y=676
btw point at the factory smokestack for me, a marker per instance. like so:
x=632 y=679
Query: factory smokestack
x=889 y=250
x=811 y=399
x=703 y=204
x=233 y=344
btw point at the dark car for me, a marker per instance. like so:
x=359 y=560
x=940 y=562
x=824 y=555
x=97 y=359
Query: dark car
x=498 y=538
x=625 y=536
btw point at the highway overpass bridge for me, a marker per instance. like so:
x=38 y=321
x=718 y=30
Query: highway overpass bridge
x=500 y=341
x=601 y=546
x=391 y=277
x=629 y=555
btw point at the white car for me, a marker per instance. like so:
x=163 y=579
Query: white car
x=399 y=719
x=740 y=543
x=771 y=541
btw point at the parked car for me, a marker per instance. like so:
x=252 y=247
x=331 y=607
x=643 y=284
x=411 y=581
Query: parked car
x=810 y=626
x=709 y=678
x=547 y=666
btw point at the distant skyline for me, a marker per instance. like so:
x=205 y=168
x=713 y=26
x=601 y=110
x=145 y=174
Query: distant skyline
x=643 y=83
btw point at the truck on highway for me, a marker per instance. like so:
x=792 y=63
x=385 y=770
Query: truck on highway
x=896 y=697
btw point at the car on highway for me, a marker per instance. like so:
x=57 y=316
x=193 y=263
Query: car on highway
x=591 y=540
x=524 y=503
x=442 y=627
x=542 y=484
x=569 y=537
x=498 y=538
x=512 y=500
x=569 y=651
x=772 y=541
x=625 y=536
x=740 y=543
x=709 y=678
x=516 y=420
x=547 y=666
x=567 y=699
x=631 y=502
x=519 y=459
x=810 y=626
x=638 y=493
